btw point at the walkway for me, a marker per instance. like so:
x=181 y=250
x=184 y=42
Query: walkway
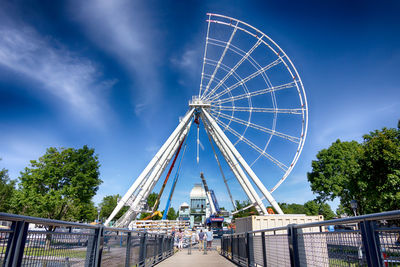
x=197 y=258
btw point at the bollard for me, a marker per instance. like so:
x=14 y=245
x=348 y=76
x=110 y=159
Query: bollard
x=205 y=247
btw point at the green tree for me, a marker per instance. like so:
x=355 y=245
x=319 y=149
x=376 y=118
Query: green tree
x=244 y=213
x=312 y=207
x=172 y=214
x=60 y=185
x=378 y=185
x=292 y=208
x=367 y=172
x=107 y=206
x=151 y=199
x=7 y=190
x=325 y=209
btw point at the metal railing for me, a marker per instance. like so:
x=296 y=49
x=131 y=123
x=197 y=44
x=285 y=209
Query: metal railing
x=369 y=240
x=30 y=241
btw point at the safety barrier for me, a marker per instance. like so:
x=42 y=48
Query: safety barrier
x=369 y=240
x=30 y=241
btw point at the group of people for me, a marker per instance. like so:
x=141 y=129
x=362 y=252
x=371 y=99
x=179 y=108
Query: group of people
x=198 y=236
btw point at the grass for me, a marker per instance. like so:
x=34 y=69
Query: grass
x=31 y=251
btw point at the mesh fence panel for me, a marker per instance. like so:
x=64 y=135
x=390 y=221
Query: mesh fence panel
x=389 y=240
x=277 y=250
x=4 y=236
x=57 y=247
x=257 y=250
x=114 y=248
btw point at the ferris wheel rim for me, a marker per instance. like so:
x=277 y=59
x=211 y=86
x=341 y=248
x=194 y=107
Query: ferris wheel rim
x=206 y=95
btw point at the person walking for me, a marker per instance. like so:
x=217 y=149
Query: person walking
x=180 y=239
x=209 y=238
x=201 y=240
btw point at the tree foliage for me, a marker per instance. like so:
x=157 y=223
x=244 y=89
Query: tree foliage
x=151 y=199
x=312 y=207
x=60 y=185
x=172 y=214
x=107 y=206
x=7 y=190
x=292 y=208
x=244 y=213
x=368 y=172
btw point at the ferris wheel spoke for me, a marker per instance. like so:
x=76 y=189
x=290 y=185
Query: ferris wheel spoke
x=259 y=41
x=240 y=53
x=248 y=78
x=255 y=93
x=204 y=57
x=297 y=111
x=261 y=128
x=252 y=145
x=221 y=58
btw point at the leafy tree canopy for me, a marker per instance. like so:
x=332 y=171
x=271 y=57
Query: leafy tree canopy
x=7 y=190
x=244 y=213
x=60 y=185
x=368 y=172
x=108 y=204
x=151 y=199
x=172 y=214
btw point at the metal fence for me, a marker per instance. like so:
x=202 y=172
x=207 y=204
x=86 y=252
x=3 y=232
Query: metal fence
x=369 y=240
x=30 y=241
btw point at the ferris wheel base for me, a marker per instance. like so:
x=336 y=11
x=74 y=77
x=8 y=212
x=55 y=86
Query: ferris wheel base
x=137 y=194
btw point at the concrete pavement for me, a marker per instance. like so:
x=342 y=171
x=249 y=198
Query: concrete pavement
x=196 y=259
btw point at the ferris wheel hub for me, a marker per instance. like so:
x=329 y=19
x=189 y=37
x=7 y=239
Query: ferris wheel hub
x=196 y=102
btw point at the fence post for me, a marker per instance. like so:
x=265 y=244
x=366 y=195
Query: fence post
x=232 y=246
x=143 y=249
x=99 y=246
x=161 y=249
x=293 y=245
x=16 y=244
x=94 y=248
x=371 y=244
x=248 y=248
x=128 y=250
x=264 y=249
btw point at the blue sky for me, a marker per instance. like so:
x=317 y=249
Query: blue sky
x=116 y=75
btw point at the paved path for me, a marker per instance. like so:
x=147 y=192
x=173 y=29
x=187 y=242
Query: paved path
x=197 y=258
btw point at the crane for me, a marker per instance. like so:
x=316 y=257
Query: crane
x=215 y=220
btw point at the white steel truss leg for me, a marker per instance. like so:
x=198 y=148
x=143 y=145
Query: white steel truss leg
x=237 y=170
x=152 y=180
x=164 y=161
x=150 y=166
x=249 y=171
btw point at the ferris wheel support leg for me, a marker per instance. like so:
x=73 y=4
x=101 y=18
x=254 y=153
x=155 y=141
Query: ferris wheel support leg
x=152 y=179
x=233 y=168
x=237 y=170
x=247 y=168
x=150 y=166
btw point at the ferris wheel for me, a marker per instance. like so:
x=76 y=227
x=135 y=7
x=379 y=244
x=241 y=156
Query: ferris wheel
x=253 y=106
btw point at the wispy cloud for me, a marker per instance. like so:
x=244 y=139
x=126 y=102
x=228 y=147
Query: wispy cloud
x=122 y=28
x=62 y=73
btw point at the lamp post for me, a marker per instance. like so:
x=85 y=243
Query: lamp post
x=354 y=205
x=98 y=214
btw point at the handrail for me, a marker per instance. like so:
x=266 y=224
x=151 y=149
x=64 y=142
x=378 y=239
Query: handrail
x=368 y=217
x=44 y=221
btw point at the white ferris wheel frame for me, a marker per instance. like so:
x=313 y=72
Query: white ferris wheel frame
x=207 y=106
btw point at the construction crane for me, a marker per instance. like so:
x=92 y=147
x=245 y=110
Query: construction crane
x=215 y=220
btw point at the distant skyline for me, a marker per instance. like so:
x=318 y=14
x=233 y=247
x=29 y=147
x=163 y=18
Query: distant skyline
x=117 y=75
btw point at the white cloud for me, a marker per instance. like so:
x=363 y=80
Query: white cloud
x=72 y=79
x=123 y=29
